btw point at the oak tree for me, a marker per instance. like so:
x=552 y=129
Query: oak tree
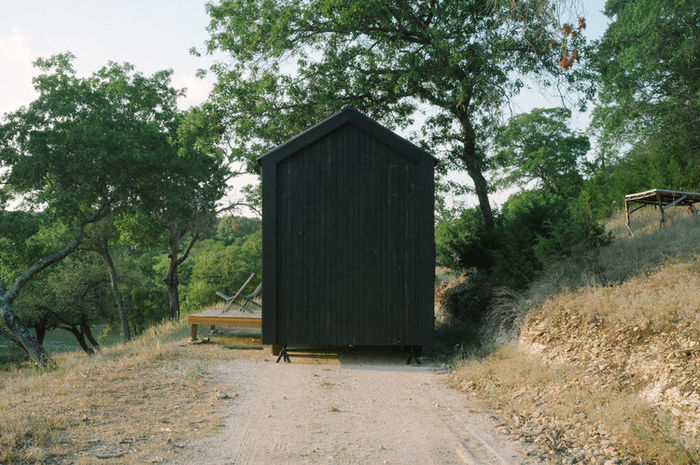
x=289 y=63
x=85 y=147
x=538 y=146
x=647 y=64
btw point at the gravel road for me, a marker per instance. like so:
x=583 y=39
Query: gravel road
x=356 y=407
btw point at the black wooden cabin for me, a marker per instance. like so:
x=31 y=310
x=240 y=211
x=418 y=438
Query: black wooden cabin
x=348 y=237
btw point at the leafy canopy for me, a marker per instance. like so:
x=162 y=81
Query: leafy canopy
x=539 y=146
x=87 y=144
x=648 y=106
x=292 y=63
x=647 y=63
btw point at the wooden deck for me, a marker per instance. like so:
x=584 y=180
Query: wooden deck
x=220 y=318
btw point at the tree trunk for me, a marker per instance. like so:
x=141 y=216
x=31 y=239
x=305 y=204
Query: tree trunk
x=40 y=329
x=85 y=328
x=80 y=338
x=171 y=280
x=114 y=281
x=172 y=283
x=29 y=343
x=11 y=337
x=475 y=170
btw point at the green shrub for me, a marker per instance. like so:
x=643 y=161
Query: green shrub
x=532 y=229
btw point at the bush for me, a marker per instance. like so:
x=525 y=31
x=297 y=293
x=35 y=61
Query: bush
x=469 y=298
x=533 y=228
x=461 y=241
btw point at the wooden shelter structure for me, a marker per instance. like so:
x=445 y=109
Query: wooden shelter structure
x=348 y=237
x=662 y=198
x=215 y=317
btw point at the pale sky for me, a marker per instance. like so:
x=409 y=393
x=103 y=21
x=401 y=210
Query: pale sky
x=150 y=34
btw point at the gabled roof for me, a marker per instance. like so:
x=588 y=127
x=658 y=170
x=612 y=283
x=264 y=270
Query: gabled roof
x=347 y=115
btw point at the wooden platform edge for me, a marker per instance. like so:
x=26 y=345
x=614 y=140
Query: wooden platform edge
x=223 y=321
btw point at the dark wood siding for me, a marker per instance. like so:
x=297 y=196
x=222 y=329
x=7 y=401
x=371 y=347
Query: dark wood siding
x=348 y=250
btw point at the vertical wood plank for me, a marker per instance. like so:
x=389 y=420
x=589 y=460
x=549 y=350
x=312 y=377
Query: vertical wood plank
x=269 y=271
x=352 y=227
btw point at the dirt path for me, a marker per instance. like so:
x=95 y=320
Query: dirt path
x=354 y=408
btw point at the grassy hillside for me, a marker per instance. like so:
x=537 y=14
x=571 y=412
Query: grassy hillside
x=607 y=355
x=624 y=258
x=130 y=403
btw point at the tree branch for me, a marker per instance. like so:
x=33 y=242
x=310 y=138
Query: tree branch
x=195 y=236
x=11 y=337
x=42 y=264
x=50 y=260
x=232 y=206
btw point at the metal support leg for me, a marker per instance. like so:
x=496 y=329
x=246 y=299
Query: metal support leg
x=283 y=355
x=414 y=354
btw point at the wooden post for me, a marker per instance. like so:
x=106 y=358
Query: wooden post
x=194 y=332
x=661 y=210
x=627 y=218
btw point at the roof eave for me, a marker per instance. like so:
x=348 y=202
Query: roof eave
x=333 y=122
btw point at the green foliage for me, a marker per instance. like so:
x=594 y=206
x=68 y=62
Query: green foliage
x=224 y=268
x=647 y=67
x=86 y=147
x=461 y=240
x=86 y=144
x=16 y=230
x=649 y=101
x=532 y=229
x=292 y=63
x=639 y=170
x=141 y=286
x=74 y=291
x=539 y=227
x=538 y=146
x=179 y=208
x=236 y=229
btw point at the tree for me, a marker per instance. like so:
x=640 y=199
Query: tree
x=84 y=148
x=144 y=296
x=180 y=207
x=538 y=146
x=219 y=266
x=649 y=99
x=103 y=233
x=461 y=60
x=71 y=295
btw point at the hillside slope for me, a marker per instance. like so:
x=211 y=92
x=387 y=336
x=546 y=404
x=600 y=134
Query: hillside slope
x=642 y=336
x=131 y=403
x=604 y=357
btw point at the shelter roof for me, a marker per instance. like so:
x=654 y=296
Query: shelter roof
x=352 y=116
x=664 y=197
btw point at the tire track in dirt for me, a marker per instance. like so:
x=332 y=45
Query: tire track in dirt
x=359 y=407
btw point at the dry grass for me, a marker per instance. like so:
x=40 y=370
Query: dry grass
x=134 y=403
x=561 y=404
x=661 y=299
x=645 y=221
x=607 y=315
x=628 y=256
x=625 y=257
x=614 y=264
